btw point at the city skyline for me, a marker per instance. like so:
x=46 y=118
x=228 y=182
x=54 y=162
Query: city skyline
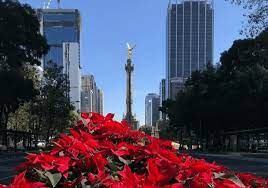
x=103 y=50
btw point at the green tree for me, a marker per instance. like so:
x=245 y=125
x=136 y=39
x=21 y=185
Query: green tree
x=230 y=96
x=21 y=47
x=53 y=104
x=257 y=16
x=147 y=129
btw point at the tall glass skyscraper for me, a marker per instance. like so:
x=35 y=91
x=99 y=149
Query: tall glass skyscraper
x=189 y=41
x=61 y=27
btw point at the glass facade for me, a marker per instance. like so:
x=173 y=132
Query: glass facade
x=59 y=26
x=189 y=41
x=152 y=104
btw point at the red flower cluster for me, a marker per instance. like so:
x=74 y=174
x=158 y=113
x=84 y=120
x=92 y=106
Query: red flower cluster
x=100 y=152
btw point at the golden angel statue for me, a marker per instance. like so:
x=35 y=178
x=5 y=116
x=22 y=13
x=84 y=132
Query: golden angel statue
x=130 y=50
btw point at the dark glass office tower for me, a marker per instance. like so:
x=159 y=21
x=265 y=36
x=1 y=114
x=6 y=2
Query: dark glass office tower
x=162 y=95
x=189 y=41
x=59 y=26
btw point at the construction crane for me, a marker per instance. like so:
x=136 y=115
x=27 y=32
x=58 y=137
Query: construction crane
x=47 y=4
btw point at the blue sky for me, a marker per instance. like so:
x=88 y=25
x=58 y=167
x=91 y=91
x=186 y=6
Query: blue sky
x=108 y=24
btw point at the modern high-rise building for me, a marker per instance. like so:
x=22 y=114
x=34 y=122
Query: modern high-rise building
x=152 y=103
x=162 y=95
x=88 y=93
x=91 y=95
x=100 y=101
x=189 y=41
x=61 y=27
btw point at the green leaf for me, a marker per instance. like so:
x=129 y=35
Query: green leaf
x=53 y=178
x=127 y=162
x=112 y=166
x=86 y=186
x=40 y=173
x=219 y=175
x=237 y=181
x=231 y=177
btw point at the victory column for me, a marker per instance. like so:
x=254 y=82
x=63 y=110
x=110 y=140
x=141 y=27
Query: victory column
x=129 y=67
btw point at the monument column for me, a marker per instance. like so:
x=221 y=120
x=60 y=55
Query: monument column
x=129 y=68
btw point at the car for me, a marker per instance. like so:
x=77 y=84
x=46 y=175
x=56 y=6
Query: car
x=41 y=143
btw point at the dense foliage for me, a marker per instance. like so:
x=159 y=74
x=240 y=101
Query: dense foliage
x=21 y=47
x=31 y=99
x=53 y=106
x=100 y=152
x=232 y=95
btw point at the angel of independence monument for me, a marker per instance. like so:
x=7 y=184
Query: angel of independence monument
x=129 y=67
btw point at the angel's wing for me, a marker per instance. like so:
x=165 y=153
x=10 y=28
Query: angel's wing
x=128 y=46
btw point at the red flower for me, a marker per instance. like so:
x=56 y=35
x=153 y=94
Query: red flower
x=100 y=162
x=250 y=180
x=49 y=162
x=101 y=152
x=20 y=181
x=160 y=171
x=175 y=185
x=128 y=179
x=85 y=115
x=203 y=179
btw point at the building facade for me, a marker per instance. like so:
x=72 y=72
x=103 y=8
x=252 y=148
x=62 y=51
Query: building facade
x=91 y=95
x=61 y=27
x=189 y=41
x=88 y=93
x=100 y=102
x=152 y=103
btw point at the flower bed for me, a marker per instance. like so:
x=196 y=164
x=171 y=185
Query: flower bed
x=100 y=152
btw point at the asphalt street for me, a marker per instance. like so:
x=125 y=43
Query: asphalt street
x=8 y=163
x=257 y=166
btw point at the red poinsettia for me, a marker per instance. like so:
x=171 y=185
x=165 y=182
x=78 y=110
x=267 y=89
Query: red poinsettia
x=100 y=152
x=21 y=181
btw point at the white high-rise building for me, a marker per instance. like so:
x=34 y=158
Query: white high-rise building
x=71 y=68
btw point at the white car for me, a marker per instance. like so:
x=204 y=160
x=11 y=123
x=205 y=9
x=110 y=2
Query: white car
x=41 y=144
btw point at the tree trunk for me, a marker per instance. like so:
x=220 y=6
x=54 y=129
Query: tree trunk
x=4 y=141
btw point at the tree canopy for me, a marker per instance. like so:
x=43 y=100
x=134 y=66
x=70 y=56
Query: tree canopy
x=257 y=15
x=232 y=95
x=21 y=47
